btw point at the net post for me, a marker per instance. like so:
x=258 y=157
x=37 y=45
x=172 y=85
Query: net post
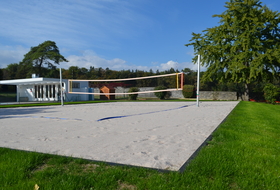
x=177 y=80
x=61 y=91
x=182 y=80
x=198 y=78
x=70 y=85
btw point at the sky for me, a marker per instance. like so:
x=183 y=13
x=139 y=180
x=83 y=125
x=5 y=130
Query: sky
x=114 y=34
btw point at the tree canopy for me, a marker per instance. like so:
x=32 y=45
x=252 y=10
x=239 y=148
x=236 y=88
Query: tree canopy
x=46 y=53
x=244 y=48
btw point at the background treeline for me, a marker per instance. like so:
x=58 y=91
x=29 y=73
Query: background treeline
x=16 y=71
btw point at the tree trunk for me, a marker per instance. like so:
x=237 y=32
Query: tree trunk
x=246 y=93
x=40 y=66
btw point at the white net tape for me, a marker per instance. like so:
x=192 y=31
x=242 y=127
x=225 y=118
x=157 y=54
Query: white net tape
x=179 y=86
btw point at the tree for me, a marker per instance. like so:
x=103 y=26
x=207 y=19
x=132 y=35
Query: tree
x=244 y=48
x=271 y=93
x=1 y=74
x=12 y=70
x=162 y=94
x=188 y=91
x=133 y=96
x=190 y=76
x=46 y=53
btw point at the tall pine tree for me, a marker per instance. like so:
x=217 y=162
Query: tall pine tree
x=245 y=47
x=46 y=53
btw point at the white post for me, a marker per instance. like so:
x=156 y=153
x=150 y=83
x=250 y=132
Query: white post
x=18 y=94
x=44 y=92
x=61 y=91
x=198 y=75
x=56 y=92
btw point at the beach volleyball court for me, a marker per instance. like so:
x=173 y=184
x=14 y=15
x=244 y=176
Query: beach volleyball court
x=160 y=135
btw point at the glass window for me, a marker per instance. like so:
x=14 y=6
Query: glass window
x=36 y=91
x=47 y=91
x=54 y=95
x=75 y=85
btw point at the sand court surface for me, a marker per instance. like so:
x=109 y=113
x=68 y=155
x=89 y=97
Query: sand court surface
x=160 y=135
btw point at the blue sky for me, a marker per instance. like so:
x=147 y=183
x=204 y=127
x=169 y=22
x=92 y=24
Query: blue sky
x=118 y=34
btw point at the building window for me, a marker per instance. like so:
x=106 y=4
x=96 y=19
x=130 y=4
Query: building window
x=36 y=92
x=47 y=91
x=75 y=85
x=54 y=94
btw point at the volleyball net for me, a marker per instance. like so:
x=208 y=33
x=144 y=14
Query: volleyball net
x=173 y=82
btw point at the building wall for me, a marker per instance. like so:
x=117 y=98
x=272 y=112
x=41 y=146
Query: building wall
x=204 y=95
x=38 y=92
x=27 y=93
x=217 y=95
x=174 y=94
x=82 y=87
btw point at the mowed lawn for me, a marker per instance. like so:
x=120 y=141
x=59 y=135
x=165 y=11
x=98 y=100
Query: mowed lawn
x=244 y=153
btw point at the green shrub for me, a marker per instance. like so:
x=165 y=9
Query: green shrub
x=188 y=91
x=271 y=92
x=133 y=96
x=162 y=95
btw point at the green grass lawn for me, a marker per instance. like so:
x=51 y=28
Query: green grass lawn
x=8 y=97
x=244 y=153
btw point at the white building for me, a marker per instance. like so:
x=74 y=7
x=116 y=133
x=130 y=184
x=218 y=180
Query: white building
x=48 y=89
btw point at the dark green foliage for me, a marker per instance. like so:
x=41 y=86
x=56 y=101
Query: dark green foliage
x=161 y=95
x=245 y=48
x=271 y=93
x=46 y=53
x=188 y=91
x=1 y=74
x=13 y=71
x=133 y=96
x=190 y=76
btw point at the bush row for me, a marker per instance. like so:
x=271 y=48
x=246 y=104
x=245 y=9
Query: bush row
x=271 y=92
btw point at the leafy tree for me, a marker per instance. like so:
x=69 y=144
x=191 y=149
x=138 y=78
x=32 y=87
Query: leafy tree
x=17 y=71
x=74 y=72
x=244 y=48
x=188 y=91
x=190 y=76
x=133 y=96
x=163 y=94
x=271 y=93
x=1 y=74
x=12 y=70
x=46 y=53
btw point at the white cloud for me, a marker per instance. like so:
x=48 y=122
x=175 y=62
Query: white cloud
x=9 y=54
x=71 y=23
x=173 y=64
x=90 y=58
x=168 y=65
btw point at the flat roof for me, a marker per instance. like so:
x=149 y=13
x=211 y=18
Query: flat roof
x=30 y=81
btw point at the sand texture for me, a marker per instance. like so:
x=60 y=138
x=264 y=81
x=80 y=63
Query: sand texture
x=160 y=135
